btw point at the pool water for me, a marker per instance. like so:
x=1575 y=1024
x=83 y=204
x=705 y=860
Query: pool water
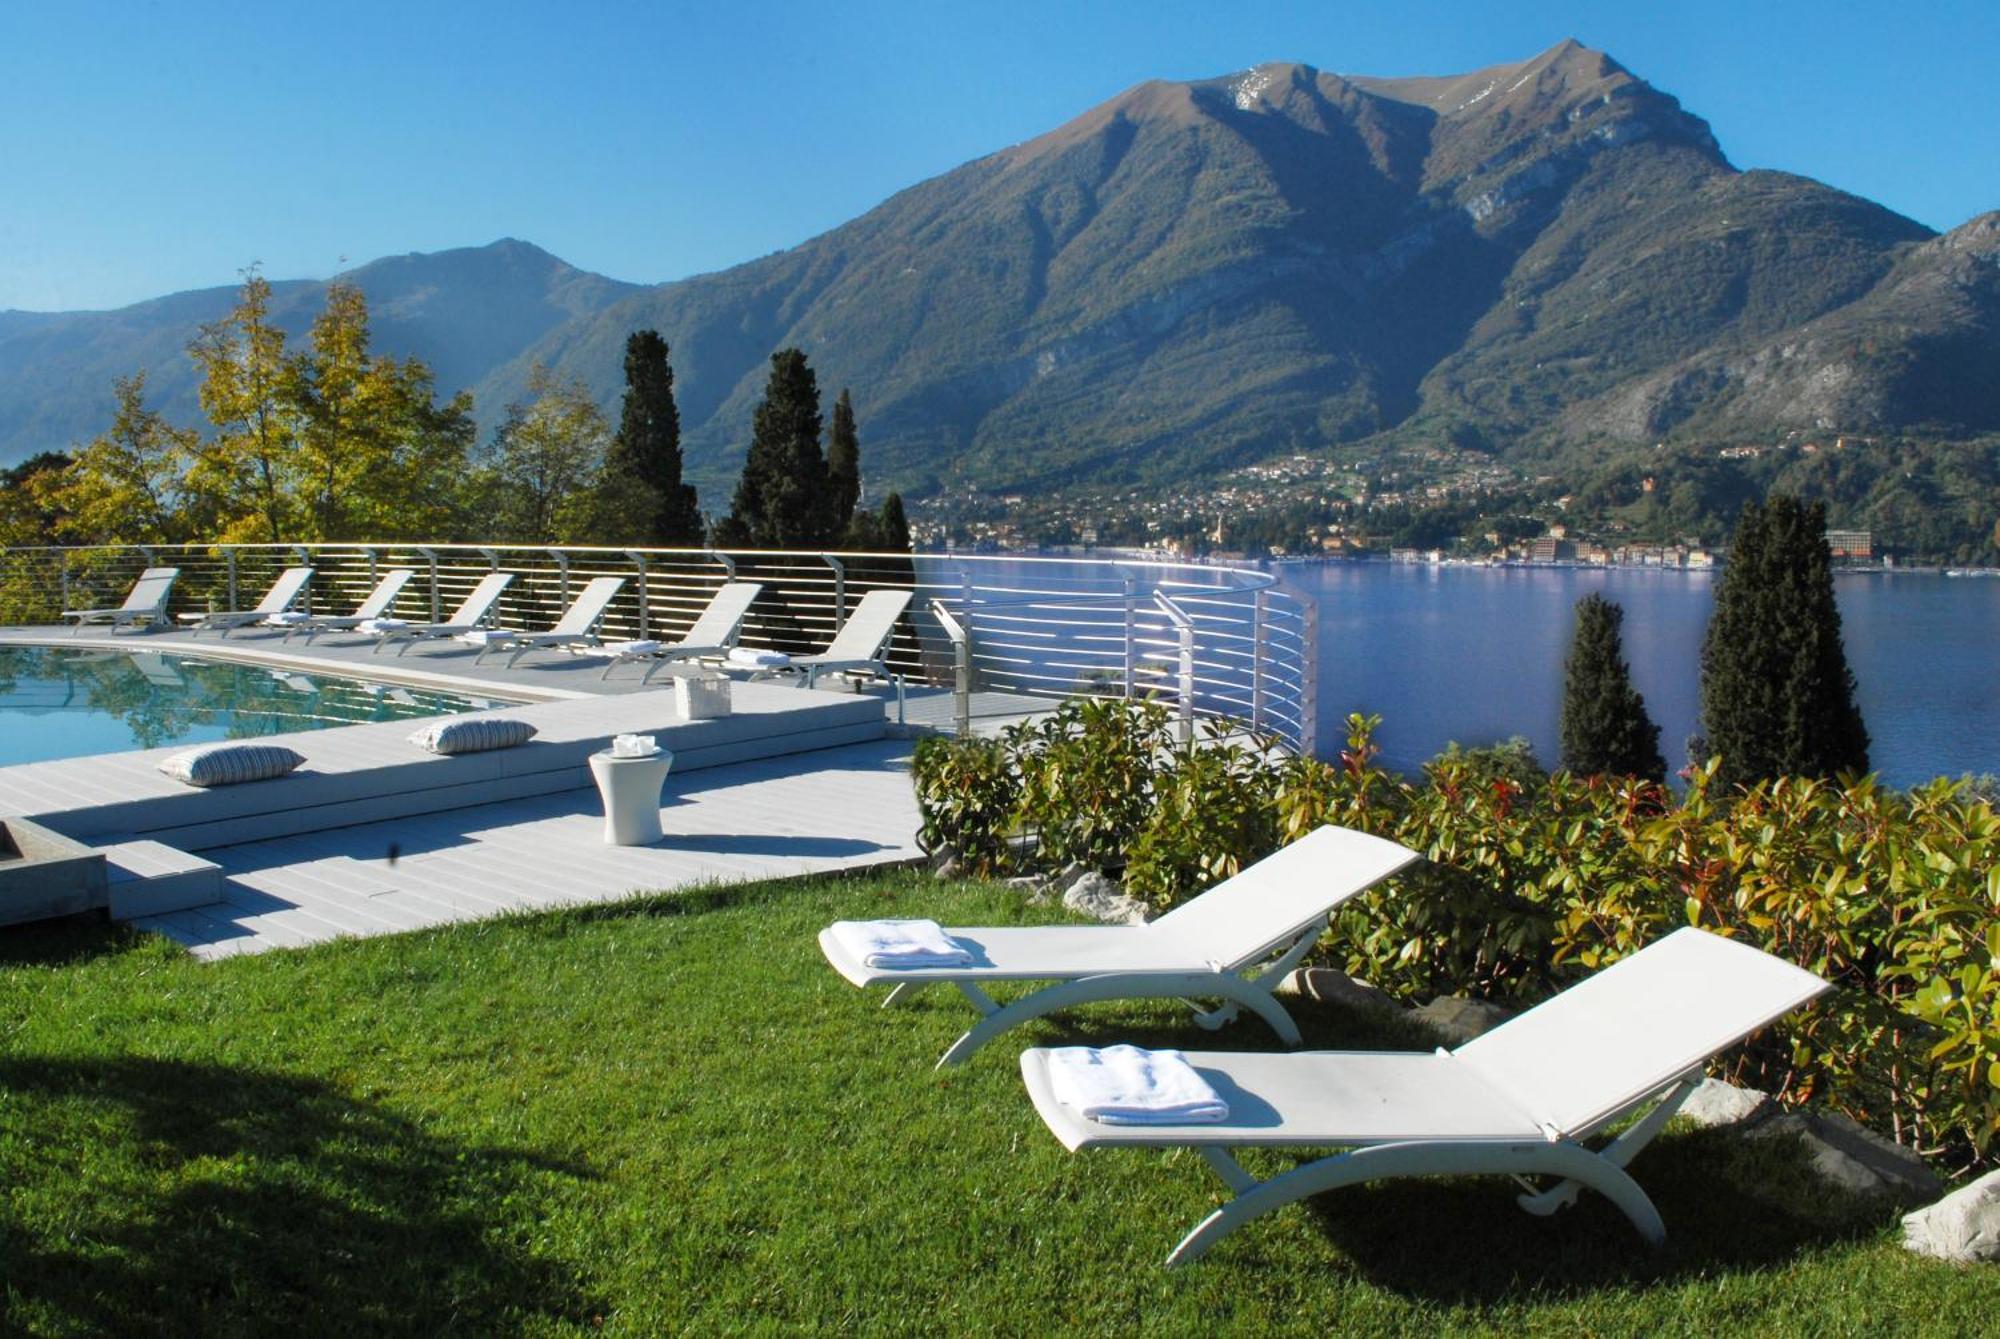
x=69 y=703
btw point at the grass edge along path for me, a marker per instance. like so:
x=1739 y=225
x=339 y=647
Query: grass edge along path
x=670 y=1115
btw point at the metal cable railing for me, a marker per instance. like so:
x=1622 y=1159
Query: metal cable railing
x=1001 y=632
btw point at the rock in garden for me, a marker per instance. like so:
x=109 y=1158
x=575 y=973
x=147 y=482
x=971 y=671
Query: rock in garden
x=1716 y=1103
x=1847 y=1157
x=946 y=863
x=1458 y=1020
x=1963 y=1226
x=1104 y=899
x=1328 y=986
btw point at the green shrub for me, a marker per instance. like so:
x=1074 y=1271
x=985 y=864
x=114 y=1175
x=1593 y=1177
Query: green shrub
x=967 y=790
x=1086 y=778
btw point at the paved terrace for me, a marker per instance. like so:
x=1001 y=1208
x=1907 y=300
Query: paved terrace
x=385 y=855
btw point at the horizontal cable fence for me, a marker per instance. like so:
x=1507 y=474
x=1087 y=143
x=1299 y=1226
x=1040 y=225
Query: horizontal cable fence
x=1005 y=634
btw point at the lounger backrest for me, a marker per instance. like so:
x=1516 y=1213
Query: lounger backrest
x=1239 y=920
x=1580 y=1059
x=870 y=626
x=284 y=590
x=724 y=615
x=149 y=592
x=384 y=595
x=475 y=605
x=589 y=607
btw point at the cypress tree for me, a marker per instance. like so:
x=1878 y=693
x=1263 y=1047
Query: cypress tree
x=644 y=500
x=1777 y=697
x=1605 y=728
x=781 y=500
x=895 y=526
x=843 y=464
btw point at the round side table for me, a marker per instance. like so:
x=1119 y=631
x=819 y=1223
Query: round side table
x=630 y=788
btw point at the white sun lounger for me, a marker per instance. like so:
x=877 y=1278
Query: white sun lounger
x=1234 y=943
x=145 y=604
x=470 y=613
x=712 y=634
x=577 y=627
x=284 y=591
x=1518 y=1101
x=858 y=647
x=379 y=602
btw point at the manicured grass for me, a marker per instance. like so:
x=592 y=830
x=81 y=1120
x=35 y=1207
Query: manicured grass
x=672 y=1116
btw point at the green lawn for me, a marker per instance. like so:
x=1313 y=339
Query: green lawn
x=673 y=1116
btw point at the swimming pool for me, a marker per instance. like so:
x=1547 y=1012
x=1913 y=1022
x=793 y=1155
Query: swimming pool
x=59 y=702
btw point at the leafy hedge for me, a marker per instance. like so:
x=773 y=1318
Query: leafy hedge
x=1535 y=881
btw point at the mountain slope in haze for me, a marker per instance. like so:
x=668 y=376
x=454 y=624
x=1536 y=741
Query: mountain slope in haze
x=1195 y=274
x=464 y=312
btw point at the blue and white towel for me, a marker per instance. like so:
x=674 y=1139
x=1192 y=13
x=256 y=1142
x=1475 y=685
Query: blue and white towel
x=900 y=943
x=288 y=618
x=1127 y=1085
x=751 y=657
x=382 y=624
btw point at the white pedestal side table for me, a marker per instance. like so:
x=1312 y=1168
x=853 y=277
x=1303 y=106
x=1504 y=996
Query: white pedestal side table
x=630 y=788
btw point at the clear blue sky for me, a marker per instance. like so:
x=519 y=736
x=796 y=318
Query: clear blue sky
x=147 y=148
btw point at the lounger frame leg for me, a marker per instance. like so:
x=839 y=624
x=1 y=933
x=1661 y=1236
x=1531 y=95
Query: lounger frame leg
x=1252 y=995
x=1619 y=1152
x=1378 y=1162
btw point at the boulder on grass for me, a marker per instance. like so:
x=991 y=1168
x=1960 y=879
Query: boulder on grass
x=1458 y=1020
x=1963 y=1226
x=1327 y=986
x=946 y=862
x=1716 y=1103
x=1104 y=899
x=1847 y=1157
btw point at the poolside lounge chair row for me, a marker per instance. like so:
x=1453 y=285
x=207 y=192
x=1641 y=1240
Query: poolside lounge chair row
x=1519 y=1101
x=857 y=648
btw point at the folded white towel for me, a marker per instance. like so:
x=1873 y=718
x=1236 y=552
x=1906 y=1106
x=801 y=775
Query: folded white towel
x=646 y=648
x=753 y=658
x=287 y=618
x=900 y=943
x=382 y=624
x=491 y=637
x=1126 y=1085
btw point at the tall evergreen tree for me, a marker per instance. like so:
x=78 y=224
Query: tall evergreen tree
x=781 y=500
x=644 y=500
x=843 y=464
x=1777 y=697
x=895 y=525
x=1605 y=728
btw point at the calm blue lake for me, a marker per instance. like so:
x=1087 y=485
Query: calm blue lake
x=1475 y=655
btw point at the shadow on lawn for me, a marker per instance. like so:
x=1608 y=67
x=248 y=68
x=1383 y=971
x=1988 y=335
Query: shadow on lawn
x=223 y=1200
x=1730 y=1207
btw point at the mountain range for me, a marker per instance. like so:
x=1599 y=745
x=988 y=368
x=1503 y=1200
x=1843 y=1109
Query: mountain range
x=1197 y=275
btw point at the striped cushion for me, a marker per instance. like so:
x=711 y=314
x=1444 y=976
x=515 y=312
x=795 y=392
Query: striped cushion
x=227 y=764
x=472 y=734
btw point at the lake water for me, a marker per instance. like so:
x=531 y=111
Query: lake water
x=1474 y=654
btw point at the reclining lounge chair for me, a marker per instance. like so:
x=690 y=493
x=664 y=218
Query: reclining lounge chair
x=859 y=645
x=577 y=627
x=713 y=633
x=470 y=613
x=1234 y=943
x=379 y=602
x=145 y=605
x=1518 y=1101
x=291 y=583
